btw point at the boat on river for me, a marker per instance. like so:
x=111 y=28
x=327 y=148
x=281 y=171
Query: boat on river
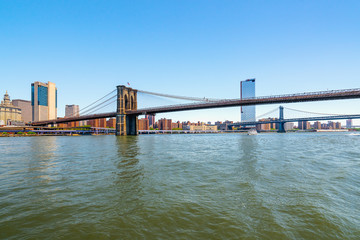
x=252 y=131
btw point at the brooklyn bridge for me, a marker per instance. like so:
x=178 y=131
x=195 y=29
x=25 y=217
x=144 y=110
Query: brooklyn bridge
x=127 y=111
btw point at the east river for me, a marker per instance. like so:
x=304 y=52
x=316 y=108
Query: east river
x=206 y=186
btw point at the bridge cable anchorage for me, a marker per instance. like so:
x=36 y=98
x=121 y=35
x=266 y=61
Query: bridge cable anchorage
x=183 y=97
x=266 y=114
x=80 y=111
x=335 y=114
x=98 y=106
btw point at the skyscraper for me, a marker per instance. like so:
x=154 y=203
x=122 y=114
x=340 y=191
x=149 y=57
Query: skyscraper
x=151 y=120
x=247 y=90
x=43 y=101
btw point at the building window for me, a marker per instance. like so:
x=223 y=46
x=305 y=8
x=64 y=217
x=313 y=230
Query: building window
x=42 y=96
x=32 y=94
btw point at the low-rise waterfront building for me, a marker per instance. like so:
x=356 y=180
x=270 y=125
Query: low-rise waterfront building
x=8 y=112
x=203 y=128
x=26 y=109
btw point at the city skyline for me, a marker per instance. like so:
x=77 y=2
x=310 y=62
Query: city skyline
x=73 y=109
x=180 y=48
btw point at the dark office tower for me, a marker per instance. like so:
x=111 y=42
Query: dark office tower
x=247 y=90
x=151 y=120
x=349 y=123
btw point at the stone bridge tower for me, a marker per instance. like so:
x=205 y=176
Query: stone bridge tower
x=126 y=100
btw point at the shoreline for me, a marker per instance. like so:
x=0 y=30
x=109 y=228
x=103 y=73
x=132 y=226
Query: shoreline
x=173 y=132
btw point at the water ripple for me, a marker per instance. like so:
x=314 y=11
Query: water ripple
x=215 y=186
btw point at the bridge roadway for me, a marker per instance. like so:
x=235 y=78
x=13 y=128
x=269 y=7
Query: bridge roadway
x=75 y=119
x=290 y=98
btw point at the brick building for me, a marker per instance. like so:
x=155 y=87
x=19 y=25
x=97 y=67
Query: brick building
x=165 y=124
x=143 y=124
x=111 y=123
x=100 y=123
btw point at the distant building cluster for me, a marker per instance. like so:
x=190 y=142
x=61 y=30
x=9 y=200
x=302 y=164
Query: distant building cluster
x=273 y=126
x=43 y=106
x=302 y=125
x=149 y=123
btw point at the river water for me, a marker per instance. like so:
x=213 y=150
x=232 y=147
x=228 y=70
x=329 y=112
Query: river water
x=206 y=186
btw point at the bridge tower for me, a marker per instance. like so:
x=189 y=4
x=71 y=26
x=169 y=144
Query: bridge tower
x=281 y=120
x=126 y=100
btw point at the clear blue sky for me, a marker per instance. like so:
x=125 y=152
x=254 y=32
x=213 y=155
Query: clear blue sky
x=193 y=48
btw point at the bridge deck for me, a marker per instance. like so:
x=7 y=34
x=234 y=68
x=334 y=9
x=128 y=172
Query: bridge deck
x=291 y=98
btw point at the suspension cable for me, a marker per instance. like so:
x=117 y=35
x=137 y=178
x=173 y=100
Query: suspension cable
x=94 y=110
x=262 y=115
x=80 y=112
x=313 y=112
x=98 y=105
x=183 y=97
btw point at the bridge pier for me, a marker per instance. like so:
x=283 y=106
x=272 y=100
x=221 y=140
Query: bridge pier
x=120 y=124
x=281 y=118
x=126 y=100
x=132 y=125
x=281 y=127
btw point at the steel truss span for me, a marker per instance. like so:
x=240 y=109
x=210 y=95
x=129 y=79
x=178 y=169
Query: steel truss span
x=309 y=119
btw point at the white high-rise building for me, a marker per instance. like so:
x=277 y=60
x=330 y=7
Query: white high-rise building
x=43 y=101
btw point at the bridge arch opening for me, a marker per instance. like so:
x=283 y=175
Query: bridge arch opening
x=132 y=103
x=127 y=103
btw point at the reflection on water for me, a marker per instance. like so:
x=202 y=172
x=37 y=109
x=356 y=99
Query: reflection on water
x=41 y=164
x=220 y=186
x=130 y=174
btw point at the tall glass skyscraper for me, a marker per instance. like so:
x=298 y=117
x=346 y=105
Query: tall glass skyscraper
x=247 y=90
